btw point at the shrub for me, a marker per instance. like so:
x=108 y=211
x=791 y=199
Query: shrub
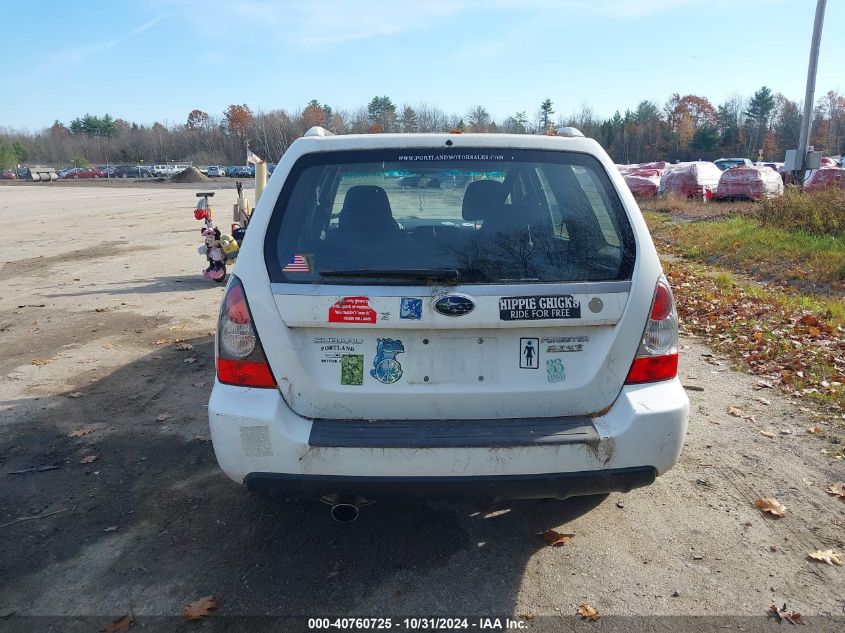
x=820 y=212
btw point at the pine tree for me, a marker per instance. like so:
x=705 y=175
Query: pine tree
x=546 y=112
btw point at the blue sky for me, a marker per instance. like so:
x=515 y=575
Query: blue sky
x=156 y=60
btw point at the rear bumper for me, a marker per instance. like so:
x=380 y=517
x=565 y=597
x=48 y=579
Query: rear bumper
x=542 y=486
x=261 y=442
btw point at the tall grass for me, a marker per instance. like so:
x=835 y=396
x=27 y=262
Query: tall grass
x=818 y=212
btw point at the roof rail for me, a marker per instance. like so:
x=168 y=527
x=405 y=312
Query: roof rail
x=318 y=131
x=569 y=131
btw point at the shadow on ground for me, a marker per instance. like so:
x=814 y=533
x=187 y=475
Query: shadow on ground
x=152 y=524
x=173 y=283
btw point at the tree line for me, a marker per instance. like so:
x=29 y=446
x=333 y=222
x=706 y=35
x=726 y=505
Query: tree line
x=685 y=127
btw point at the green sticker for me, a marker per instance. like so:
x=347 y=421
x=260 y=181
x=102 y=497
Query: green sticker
x=555 y=370
x=352 y=369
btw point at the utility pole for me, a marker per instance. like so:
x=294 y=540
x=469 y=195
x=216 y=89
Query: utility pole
x=809 y=96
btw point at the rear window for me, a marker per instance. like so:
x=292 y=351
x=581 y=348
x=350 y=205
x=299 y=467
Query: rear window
x=480 y=216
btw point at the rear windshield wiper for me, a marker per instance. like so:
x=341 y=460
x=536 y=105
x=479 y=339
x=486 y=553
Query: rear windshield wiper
x=441 y=274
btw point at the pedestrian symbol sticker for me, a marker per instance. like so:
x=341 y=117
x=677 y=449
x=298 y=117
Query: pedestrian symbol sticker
x=529 y=353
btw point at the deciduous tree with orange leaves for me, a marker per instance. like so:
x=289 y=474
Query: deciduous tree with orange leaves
x=238 y=117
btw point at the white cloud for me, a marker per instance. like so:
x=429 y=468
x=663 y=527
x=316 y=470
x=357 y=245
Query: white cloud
x=312 y=23
x=146 y=26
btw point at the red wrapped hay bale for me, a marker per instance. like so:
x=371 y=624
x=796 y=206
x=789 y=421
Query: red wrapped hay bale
x=643 y=186
x=749 y=182
x=824 y=178
x=696 y=179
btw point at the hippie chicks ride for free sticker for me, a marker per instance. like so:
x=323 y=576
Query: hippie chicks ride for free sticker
x=545 y=307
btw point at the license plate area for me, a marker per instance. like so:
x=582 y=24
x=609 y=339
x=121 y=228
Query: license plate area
x=455 y=360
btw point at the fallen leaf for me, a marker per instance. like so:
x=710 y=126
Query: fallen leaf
x=75 y=394
x=772 y=506
x=527 y=616
x=200 y=609
x=837 y=489
x=190 y=360
x=768 y=434
x=200 y=384
x=40 y=361
x=588 y=612
x=121 y=625
x=162 y=341
x=828 y=556
x=809 y=320
x=814 y=429
x=108 y=346
x=161 y=417
x=739 y=413
x=80 y=432
x=184 y=346
x=88 y=459
x=793 y=617
x=761 y=400
x=556 y=538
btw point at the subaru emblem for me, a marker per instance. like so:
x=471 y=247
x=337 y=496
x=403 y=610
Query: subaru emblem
x=454 y=305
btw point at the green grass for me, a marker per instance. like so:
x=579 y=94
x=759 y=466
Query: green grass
x=832 y=310
x=767 y=252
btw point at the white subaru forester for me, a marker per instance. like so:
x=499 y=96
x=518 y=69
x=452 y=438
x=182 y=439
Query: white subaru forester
x=428 y=315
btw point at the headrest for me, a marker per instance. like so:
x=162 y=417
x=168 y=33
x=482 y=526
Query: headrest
x=366 y=198
x=366 y=207
x=481 y=197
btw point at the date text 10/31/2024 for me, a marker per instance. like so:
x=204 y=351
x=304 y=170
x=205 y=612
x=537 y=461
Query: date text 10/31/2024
x=417 y=623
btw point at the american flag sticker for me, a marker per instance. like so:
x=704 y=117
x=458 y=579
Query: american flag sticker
x=297 y=264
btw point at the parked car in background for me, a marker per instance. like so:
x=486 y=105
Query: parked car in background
x=271 y=167
x=241 y=172
x=107 y=169
x=132 y=171
x=375 y=344
x=727 y=163
x=8 y=174
x=67 y=172
x=215 y=171
x=88 y=172
x=168 y=169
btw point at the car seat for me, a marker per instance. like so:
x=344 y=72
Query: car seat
x=366 y=214
x=482 y=198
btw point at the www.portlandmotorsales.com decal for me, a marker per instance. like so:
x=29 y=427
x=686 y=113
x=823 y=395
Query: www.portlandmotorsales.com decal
x=543 y=307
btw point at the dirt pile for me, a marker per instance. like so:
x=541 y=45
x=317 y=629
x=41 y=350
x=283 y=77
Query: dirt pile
x=191 y=174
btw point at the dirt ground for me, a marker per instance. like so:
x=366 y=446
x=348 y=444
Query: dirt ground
x=99 y=283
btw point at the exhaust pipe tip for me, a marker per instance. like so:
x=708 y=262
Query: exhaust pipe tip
x=344 y=512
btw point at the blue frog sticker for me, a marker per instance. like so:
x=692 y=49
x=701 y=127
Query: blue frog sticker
x=386 y=368
x=410 y=308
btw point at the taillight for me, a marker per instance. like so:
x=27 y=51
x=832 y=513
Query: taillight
x=240 y=357
x=657 y=356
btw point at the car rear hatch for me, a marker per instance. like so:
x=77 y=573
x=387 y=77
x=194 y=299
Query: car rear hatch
x=461 y=287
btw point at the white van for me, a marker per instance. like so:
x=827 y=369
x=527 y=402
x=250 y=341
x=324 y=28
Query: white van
x=504 y=331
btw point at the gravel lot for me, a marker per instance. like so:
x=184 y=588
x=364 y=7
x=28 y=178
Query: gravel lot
x=96 y=277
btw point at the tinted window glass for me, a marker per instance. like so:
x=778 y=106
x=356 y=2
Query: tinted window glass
x=468 y=216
